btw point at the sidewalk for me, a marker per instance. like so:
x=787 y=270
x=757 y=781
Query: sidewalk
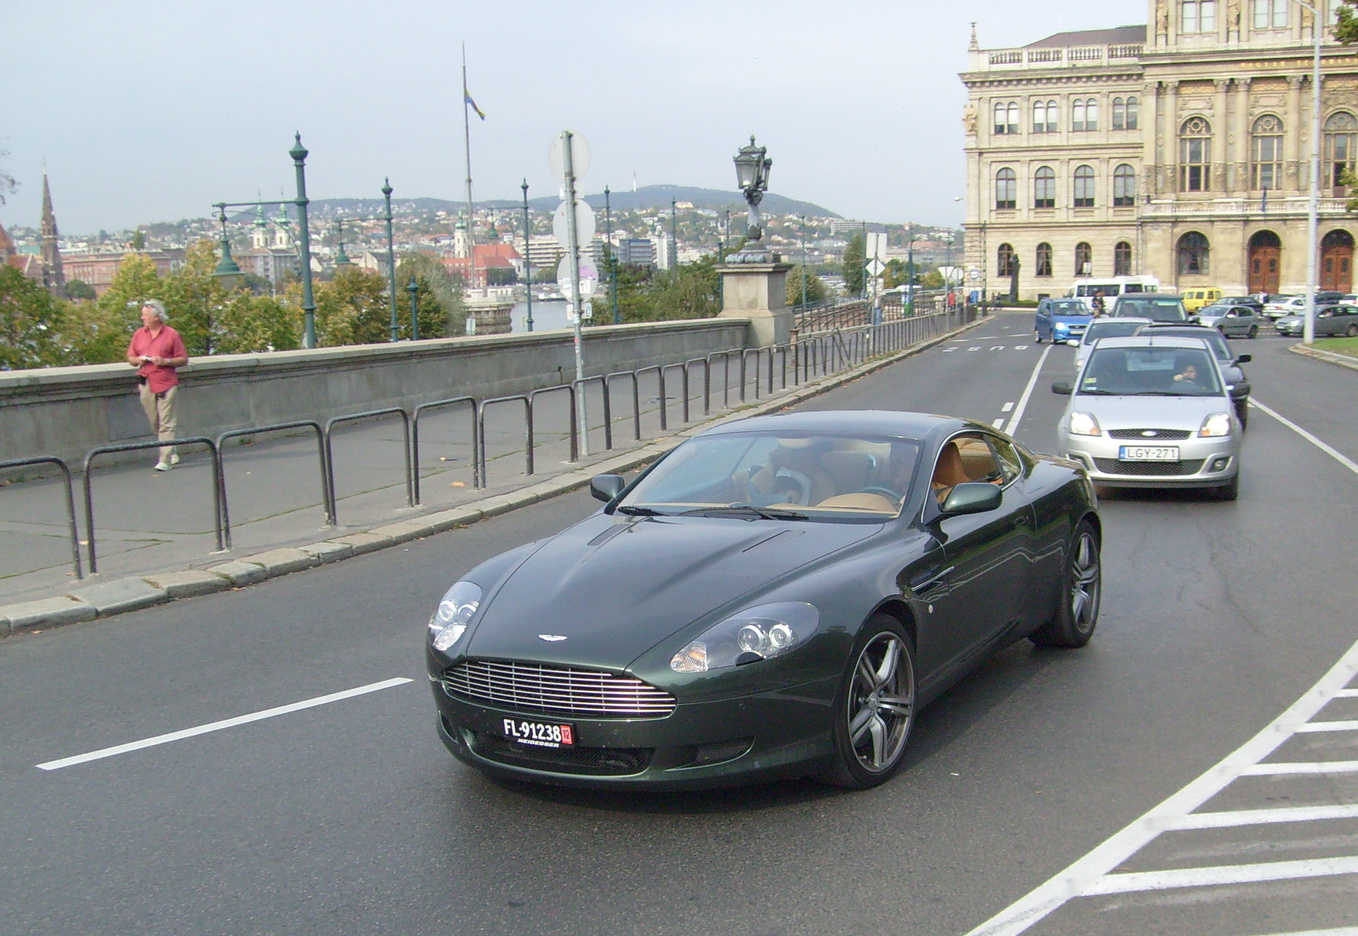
x=156 y=533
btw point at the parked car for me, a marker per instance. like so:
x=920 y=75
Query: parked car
x=1229 y=362
x=1283 y=306
x=1251 y=301
x=1233 y=321
x=1332 y=321
x=1195 y=299
x=1105 y=328
x=1060 y=319
x=1158 y=307
x=1152 y=411
x=776 y=596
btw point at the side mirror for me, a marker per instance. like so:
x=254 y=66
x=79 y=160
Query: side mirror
x=1062 y=387
x=606 y=487
x=972 y=497
x=1244 y=359
x=1073 y=342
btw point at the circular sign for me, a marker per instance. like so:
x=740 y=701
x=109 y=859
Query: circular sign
x=556 y=155
x=589 y=278
x=584 y=223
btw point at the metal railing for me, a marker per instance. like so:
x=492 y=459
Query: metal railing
x=415 y=440
x=70 y=498
x=354 y=417
x=153 y=443
x=327 y=487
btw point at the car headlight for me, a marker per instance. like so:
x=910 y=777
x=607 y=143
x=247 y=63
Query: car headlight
x=1084 y=424
x=449 y=620
x=1215 y=425
x=759 y=633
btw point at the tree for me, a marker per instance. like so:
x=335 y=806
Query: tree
x=1346 y=28
x=194 y=298
x=815 y=288
x=79 y=289
x=31 y=322
x=686 y=292
x=445 y=287
x=855 y=256
x=138 y=240
x=352 y=309
x=253 y=323
x=98 y=332
x=7 y=183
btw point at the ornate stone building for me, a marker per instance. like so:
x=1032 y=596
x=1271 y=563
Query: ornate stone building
x=1179 y=150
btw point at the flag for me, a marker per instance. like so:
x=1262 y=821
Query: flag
x=466 y=96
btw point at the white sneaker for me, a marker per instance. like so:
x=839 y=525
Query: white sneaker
x=174 y=458
x=163 y=466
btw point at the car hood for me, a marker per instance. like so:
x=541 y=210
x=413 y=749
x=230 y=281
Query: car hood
x=614 y=587
x=1150 y=412
x=1290 y=320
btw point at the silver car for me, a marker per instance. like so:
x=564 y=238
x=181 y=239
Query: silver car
x=1151 y=411
x=1233 y=321
x=1104 y=327
x=1334 y=321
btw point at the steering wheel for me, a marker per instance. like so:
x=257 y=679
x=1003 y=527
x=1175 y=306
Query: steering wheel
x=884 y=491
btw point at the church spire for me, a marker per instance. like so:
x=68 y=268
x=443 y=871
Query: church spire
x=53 y=276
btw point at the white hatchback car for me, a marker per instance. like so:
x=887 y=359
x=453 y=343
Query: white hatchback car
x=1153 y=411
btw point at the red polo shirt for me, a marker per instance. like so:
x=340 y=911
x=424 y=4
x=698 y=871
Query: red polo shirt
x=165 y=344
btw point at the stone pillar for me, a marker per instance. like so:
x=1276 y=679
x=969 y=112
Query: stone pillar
x=758 y=292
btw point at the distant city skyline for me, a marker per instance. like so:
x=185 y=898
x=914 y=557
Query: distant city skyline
x=145 y=112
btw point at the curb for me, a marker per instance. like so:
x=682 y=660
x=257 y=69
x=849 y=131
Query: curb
x=104 y=599
x=1330 y=357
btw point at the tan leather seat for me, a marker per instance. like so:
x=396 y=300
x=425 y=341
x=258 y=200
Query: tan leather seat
x=949 y=471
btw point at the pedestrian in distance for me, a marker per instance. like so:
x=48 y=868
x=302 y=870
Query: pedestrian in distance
x=157 y=351
x=1099 y=308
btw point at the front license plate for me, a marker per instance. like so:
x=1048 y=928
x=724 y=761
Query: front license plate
x=538 y=734
x=1144 y=453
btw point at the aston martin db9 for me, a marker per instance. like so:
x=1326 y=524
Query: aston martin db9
x=775 y=597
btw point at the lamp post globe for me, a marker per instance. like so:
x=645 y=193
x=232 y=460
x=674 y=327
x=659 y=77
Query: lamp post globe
x=752 y=174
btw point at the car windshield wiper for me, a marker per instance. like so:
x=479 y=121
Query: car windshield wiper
x=634 y=511
x=746 y=510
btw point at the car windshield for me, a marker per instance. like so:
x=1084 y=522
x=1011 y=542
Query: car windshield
x=1152 y=370
x=1111 y=329
x=1159 y=309
x=1214 y=310
x=764 y=475
x=1069 y=307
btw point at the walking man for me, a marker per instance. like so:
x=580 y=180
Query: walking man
x=156 y=351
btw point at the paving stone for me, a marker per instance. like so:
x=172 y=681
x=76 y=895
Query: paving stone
x=403 y=531
x=240 y=572
x=451 y=519
x=328 y=551
x=47 y=612
x=190 y=582
x=283 y=561
x=127 y=594
x=363 y=542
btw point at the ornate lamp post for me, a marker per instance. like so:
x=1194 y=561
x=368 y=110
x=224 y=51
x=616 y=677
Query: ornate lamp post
x=527 y=265
x=391 y=262
x=299 y=154
x=413 y=288
x=803 y=233
x=752 y=174
x=228 y=273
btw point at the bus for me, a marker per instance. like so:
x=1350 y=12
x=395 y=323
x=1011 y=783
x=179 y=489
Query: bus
x=1111 y=287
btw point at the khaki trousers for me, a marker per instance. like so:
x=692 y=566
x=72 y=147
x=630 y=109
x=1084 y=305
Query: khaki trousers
x=162 y=414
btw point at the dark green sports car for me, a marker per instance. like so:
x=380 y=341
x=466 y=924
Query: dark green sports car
x=775 y=597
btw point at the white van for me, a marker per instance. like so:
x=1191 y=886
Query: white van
x=1085 y=288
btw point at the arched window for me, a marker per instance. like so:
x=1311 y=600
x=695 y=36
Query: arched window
x=1039 y=116
x=1194 y=254
x=1195 y=155
x=1053 y=117
x=1044 y=187
x=1341 y=145
x=1005 y=260
x=1006 y=189
x=1266 y=153
x=1133 y=106
x=1198 y=16
x=1084 y=187
x=1124 y=186
x=1001 y=117
x=1122 y=259
x=1119 y=114
x=1084 y=259
x=1091 y=114
x=1084 y=115
x=1044 y=260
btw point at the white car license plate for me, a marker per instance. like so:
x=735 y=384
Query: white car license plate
x=1142 y=453
x=538 y=734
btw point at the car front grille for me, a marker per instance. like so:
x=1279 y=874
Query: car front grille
x=592 y=762
x=1111 y=466
x=534 y=687
x=1149 y=433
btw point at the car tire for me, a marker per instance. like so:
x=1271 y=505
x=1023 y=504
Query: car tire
x=1254 y=331
x=1353 y=331
x=874 y=709
x=1229 y=491
x=1077 y=610
x=1242 y=412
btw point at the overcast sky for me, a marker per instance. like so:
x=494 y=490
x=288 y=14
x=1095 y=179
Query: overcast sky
x=152 y=111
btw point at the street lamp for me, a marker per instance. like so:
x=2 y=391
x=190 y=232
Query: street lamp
x=752 y=174
x=228 y=273
x=299 y=154
x=341 y=258
x=802 y=231
x=413 y=288
x=612 y=260
x=391 y=261
x=1309 y=329
x=527 y=265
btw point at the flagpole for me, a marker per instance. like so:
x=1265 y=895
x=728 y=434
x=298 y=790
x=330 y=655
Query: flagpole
x=467 y=141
